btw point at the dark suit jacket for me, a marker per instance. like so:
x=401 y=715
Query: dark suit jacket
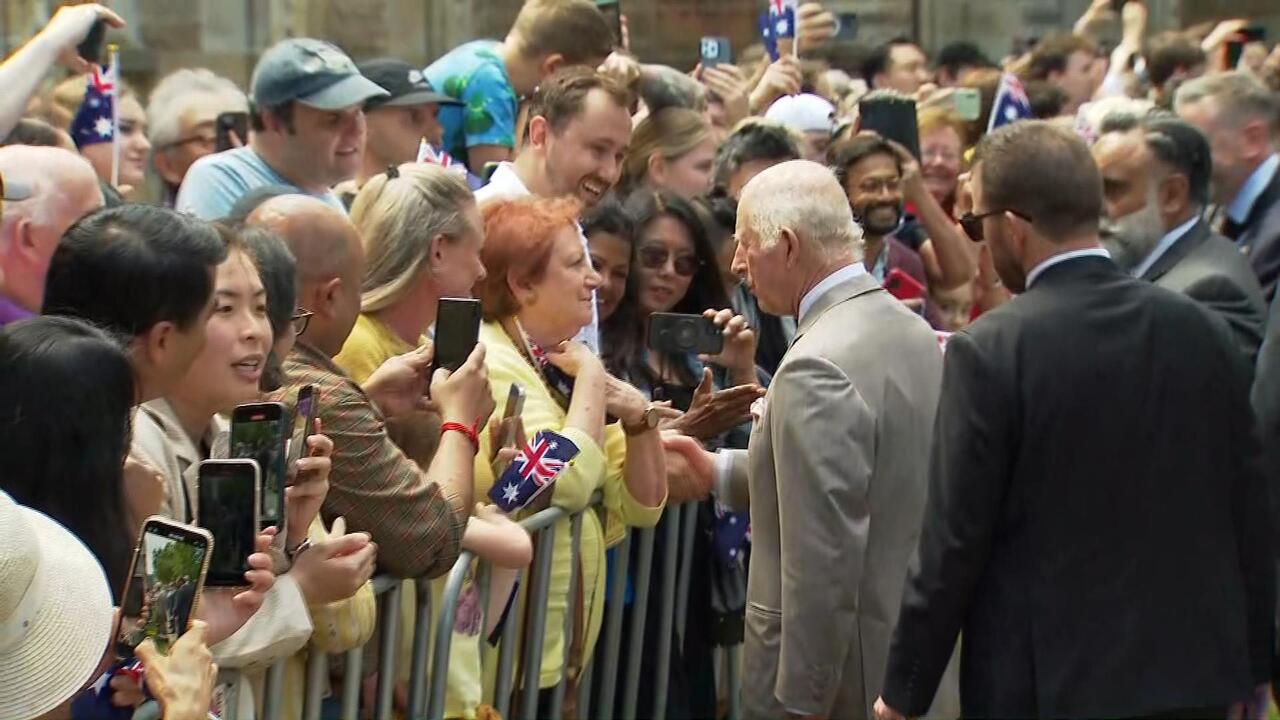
x=1266 y=407
x=1096 y=523
x=1260 y=237
x=1209 y=269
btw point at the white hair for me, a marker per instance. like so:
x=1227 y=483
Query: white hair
x=805 y=198
x=178 y=91
x=50 y=174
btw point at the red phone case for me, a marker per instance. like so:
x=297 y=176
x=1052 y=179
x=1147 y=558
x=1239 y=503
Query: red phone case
x=903 y=286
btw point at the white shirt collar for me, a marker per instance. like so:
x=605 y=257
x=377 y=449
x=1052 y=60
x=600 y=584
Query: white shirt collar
x=1038 y=270
x=848 y=272
x=1163 y=246
x=1242 y=205
x=503 y=183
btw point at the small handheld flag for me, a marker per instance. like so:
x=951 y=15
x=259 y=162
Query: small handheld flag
x=1011 y=103
x=94 y=122
x=766 y=36
x=533 y=471
x=782 y=16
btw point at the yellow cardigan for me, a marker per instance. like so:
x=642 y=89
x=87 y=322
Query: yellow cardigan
x=595 y=469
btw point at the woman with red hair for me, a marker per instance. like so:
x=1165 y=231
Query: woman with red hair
x=536 y=295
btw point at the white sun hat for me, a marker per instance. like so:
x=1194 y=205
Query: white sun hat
x=56 y=613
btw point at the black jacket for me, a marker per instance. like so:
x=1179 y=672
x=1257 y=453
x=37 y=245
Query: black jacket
x=1097 y=524
x=1259 y=236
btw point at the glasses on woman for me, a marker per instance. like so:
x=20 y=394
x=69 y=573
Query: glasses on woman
x=972 y=224
x=301 y=318
x=654 y=258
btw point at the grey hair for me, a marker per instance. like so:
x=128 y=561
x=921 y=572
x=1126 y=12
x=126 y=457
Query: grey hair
x=174 y=94
x=397 y=217
x=1240 y=94
x=811 y=206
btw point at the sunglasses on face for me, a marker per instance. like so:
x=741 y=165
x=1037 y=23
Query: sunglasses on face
x=972 y=224
x=655 y=258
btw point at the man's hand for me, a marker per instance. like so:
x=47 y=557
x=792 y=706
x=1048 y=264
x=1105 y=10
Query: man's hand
x=69 y=27
x=334 y=569
x=884 y=712
x=815 y=26
x=700 y=463
x=783 y=77
x=225 y=610
x=309 y=484
x=739 y=352
x=714 y=412
x=399 y=386
x=730 y=85
x=183 y=681
x=464 y=395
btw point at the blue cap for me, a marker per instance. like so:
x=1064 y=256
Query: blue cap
x=312 y=72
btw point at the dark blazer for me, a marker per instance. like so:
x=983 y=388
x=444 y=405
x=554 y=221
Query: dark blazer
x=1096 y=522
x=1259 y=237
x=1266 y=408
x=1209 y=269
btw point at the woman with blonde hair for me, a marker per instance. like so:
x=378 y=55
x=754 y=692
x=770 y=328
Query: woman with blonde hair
x=672 y=149
x=422 y=236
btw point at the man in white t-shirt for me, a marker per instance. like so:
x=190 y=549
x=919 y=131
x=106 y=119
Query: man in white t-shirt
x=574 y=143
x=308 y=130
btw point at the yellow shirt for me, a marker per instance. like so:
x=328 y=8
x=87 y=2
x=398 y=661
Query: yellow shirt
x=595 y=469
x=370 y=344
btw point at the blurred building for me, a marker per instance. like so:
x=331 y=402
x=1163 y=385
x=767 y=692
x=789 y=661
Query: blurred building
x=228 y=35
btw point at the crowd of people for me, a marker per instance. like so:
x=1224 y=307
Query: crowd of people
x=1036 y=483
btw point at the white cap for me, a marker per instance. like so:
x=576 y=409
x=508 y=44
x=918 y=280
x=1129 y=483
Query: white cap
x=805 y=112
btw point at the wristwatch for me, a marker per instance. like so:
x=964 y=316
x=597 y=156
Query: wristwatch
x=648 y=421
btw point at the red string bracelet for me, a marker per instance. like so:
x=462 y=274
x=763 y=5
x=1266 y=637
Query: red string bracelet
x=472 y=433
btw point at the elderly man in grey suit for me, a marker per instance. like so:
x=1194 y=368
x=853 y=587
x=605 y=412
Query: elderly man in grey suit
x=836 y=473
x=1155 y=175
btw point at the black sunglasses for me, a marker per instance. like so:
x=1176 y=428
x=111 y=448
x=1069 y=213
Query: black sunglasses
x=655 y=257
x=972 y=224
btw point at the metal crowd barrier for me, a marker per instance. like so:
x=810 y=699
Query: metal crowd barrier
x=427 y=690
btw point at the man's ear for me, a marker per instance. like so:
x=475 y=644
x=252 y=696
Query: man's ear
x=164 y=166
x=1173 y=194
x=1257 y=139
x=328 y=297
x=539 y=129
x=551 y=63
x=789 y=243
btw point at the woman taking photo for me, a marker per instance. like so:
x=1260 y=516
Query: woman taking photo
x=536 y=296
x=672 y=149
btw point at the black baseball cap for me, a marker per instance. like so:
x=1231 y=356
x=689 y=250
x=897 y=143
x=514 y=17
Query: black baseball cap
x=405 y=83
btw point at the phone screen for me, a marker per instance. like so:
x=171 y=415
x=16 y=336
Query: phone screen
x=612 y=11
x=304 y=416
x=228 y=509
x=91 y=47
x=228 y=123
x=457 y=330
x=893 y=117
x=258 y=432
x=713 y=51
x=164 y=586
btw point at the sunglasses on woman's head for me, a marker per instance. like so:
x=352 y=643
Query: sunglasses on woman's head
x=972 y=224
x=656 y=257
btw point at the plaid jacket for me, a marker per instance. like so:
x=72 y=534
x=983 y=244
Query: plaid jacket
x=373 y=484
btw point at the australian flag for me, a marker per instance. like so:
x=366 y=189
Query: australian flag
x=1011 y=103
x=95 y=120
x=428 y=153
x=533 y=471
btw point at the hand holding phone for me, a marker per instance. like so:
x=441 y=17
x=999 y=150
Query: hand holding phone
x=228 y=508
x=260 y=431
x=681 y=334
x=714 y=51
x=163 y=590
x=457 y=331
x=231 y=131
x=892 y=116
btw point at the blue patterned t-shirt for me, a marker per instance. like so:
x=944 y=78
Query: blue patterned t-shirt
x=475 y=74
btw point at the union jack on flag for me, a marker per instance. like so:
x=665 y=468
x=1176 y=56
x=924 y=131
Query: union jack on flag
x=533 y=471
x=1011 y=103
x=429 y=154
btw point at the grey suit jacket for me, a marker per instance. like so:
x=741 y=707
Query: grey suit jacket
x=837 y=474
x=1211 y=270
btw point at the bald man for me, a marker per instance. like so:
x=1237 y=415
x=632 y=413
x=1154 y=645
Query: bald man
x=844 y=433
x=63 y=188
x=416 y=516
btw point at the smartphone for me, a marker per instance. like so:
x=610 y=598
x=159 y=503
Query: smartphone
x=227 y=123
x=304 y=423
x=165 y=580
x=967 y=103
x=893 y=117
x=1234 y=47
x=612 y=11
x=714 y=50
x=457 y=330
x=228 y=508
x=903 y=286
x=680 y=334
x=846 y=26
x=260 y=431
x=514 y=408
x=91 y=47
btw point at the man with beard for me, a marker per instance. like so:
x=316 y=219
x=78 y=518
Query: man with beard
x=574 y=143
x=1096 y=523
x=1155 y=182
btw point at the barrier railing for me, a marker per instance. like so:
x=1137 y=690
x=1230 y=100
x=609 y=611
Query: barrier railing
x=427 y=690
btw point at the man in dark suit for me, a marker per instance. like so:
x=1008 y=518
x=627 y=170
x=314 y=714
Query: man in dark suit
x=1155 y=179
x=1095 y=521
x=1241 y=118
